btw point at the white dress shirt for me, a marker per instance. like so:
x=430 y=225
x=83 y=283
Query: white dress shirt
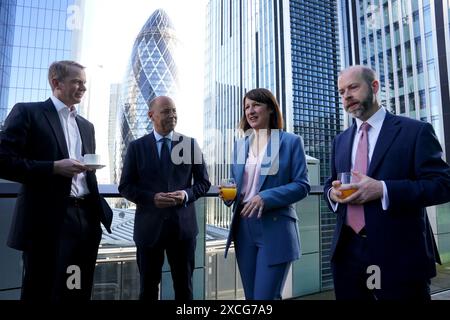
x=252 y=173
x=375 y=122
x=73 y=141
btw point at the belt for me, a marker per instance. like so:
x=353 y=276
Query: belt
x=77 y=201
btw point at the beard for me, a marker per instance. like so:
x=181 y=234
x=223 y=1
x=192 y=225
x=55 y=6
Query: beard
x=364 y=107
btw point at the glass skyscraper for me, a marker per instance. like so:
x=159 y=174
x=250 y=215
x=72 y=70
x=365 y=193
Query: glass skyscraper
x=152 y=72
x=408 y=44
x=7 y=18
x=289 y=47
x=33 y=35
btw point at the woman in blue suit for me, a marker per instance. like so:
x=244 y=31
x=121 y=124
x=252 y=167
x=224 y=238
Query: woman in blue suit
x=269 y=167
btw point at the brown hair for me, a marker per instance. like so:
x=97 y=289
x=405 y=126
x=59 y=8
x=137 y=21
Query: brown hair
x=59 y=70
x=263 y=96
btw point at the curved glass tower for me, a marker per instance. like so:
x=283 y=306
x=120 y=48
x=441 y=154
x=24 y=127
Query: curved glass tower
x=152 y=72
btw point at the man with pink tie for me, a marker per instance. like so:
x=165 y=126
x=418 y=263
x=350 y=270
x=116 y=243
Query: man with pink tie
x=383 y=246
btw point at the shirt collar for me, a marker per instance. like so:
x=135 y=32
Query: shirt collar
x=375 y=121
x=61 y=107
x=158 y=137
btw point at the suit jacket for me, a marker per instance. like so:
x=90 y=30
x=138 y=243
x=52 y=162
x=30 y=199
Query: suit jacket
x=31 y=141
x=407 y=157
x=142 y=178
x=282 y=183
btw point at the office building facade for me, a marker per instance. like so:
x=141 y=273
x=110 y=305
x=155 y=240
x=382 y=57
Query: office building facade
x=408 y=44
x=152 y=72
x=33 y=35
x=7 y=18
x=290 y=48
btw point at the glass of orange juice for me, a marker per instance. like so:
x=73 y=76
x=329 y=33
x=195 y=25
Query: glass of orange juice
x=346 y=178
x=228 y=189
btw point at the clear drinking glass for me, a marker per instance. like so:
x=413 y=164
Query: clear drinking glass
x=228 y=189
x=346 y=178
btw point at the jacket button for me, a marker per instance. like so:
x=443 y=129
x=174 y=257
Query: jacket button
x=275 y=218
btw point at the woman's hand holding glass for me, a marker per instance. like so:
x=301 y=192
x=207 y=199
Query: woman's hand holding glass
x=227 y=190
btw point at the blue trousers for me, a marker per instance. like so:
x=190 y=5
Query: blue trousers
x=260 y=280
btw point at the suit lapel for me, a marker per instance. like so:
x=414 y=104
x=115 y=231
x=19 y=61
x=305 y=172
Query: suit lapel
x=344 y=161
x=153 y=150
x=241 y=157
x=52 y=116
x=388 y=133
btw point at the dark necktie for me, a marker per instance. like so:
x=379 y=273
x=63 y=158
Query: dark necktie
x=165 y=160
x=355 y=213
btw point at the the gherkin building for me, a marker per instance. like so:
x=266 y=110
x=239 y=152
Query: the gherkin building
x=151 y=72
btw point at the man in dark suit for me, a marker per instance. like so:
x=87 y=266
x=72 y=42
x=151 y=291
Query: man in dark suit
x=57 y=217
x=157 y=175
x=383 y=245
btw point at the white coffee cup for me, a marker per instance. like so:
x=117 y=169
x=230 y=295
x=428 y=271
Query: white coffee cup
x=90 y=158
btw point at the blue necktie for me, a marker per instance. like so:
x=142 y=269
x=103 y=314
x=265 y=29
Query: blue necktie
x=165 y=160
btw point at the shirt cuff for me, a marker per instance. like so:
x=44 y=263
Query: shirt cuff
x=186 y=198
x=334 y=205
x=385 y=198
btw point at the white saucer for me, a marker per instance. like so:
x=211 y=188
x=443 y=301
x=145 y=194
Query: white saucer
x=94 y=166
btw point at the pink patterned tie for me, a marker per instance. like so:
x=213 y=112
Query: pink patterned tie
x=355 y=213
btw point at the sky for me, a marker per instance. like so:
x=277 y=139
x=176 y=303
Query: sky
x=109 y=30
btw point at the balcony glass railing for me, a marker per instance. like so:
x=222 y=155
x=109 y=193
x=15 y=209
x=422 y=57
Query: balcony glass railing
x=117 y=276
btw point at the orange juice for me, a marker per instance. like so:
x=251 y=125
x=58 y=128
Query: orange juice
x=229 y=193
x=346 y=193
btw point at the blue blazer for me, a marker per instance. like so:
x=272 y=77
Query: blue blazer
x=407 y=157
x=283 y=182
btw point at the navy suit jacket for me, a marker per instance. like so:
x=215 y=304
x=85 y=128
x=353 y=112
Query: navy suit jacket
x=407 y=157
x=141 y=179
x=31 y=141
x=282 y=183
